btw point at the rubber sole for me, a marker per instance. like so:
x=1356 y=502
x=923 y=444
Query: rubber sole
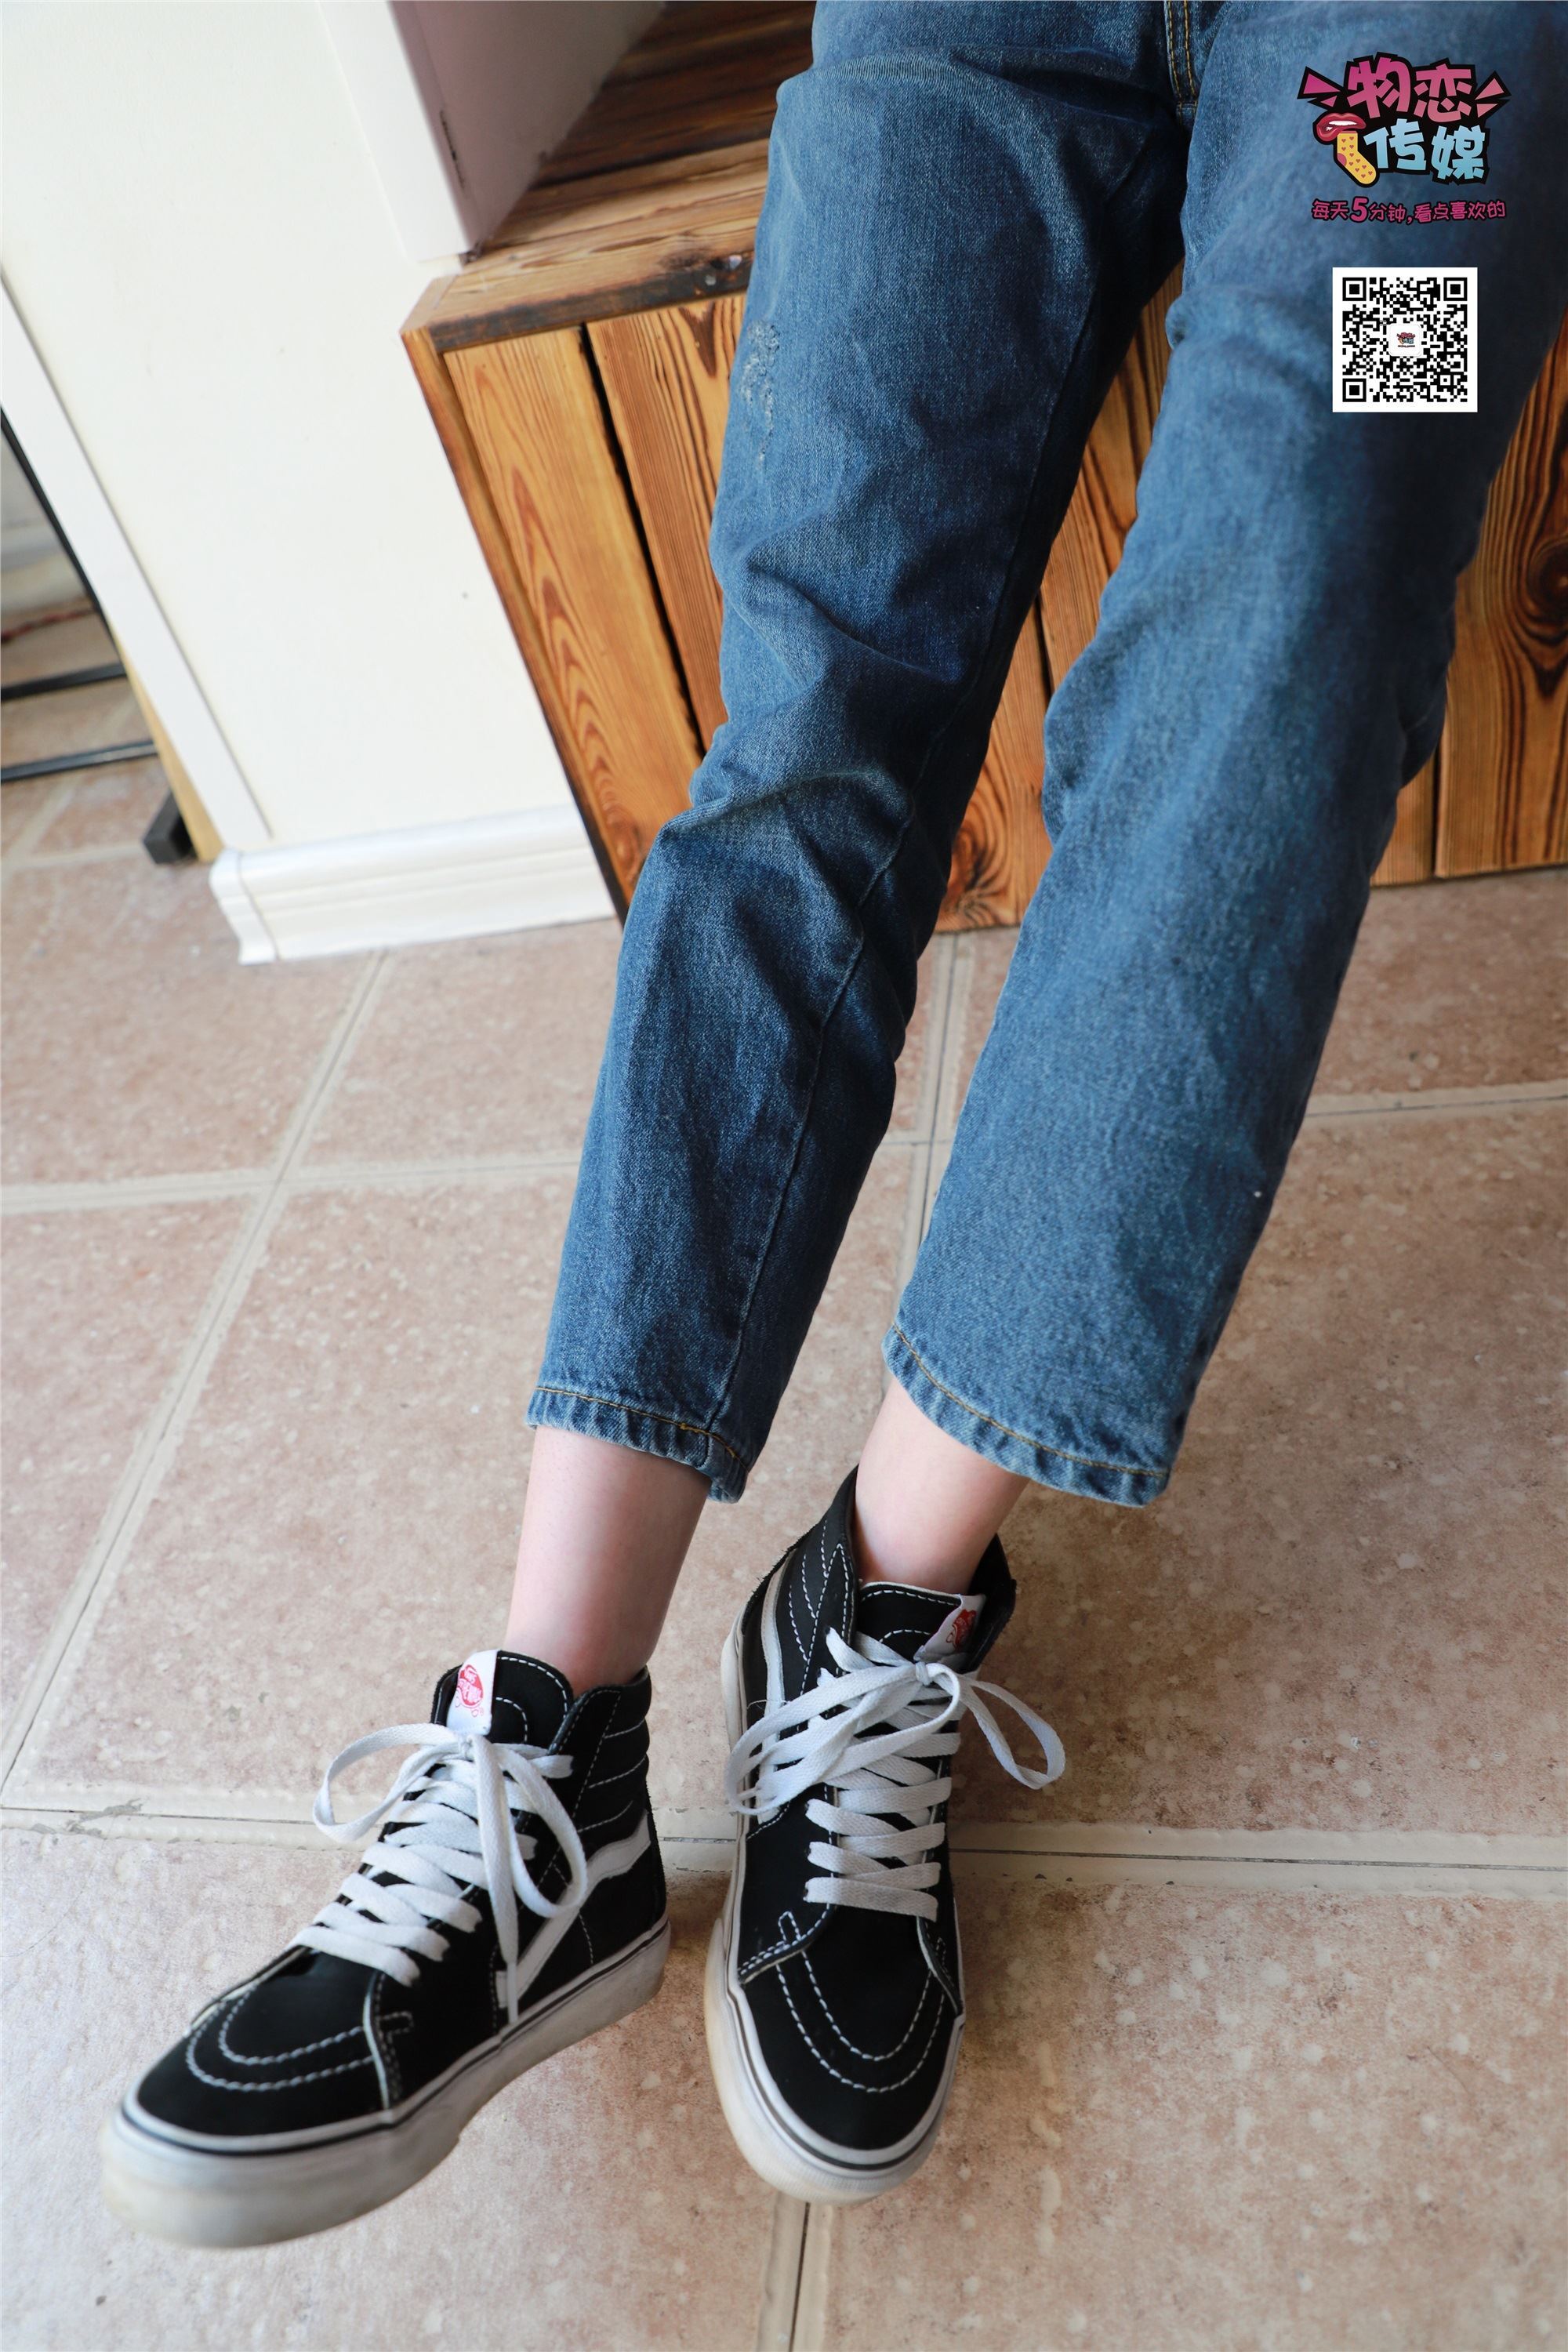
x=200 y=2198
x=759 y=2124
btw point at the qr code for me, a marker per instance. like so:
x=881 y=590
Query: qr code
x=1405 y=339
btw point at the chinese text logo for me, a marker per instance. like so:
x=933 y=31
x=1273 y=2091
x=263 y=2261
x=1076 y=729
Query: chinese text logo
x=1387 y=115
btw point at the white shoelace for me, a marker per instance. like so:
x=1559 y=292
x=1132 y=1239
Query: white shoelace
x=451 y=1828
x=822 y=1738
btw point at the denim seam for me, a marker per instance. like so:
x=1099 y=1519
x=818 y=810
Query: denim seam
x=958 y=712
x=1173 y=68
x=619 y=1404
x=1187 y=46
x=1084 y=1461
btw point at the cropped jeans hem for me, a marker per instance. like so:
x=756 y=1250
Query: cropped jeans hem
x=674 y=1440
x=1071 y=1472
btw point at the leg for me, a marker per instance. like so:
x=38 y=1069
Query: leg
x=926 y=1506
x=604 y=1530
x=922 y=356
x=1222 y=766
x=923 y=352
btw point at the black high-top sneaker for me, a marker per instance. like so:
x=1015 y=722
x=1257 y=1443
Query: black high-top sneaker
x=512 y=1903
x=835 y=1990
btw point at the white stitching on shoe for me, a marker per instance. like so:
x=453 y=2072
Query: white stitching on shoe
x=288 y=2082
x=562 y=1685
x=873 y=2057
x=586 y=1778
x=516 y=1705
x=793 y=1936
x=768 y=1950
x=913 y=1591
x=873 y=2088
x=822 y=1596
x=586 y=1828
x=370 y=2027
x=609 y=1778
x=400 y=2021
x=795 y=1625
x=807 y=1648
x=275 y=2057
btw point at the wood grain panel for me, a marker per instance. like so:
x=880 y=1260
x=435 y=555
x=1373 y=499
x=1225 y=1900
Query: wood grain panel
x=675 y=231
x=705 y=75
x=533 y=408
x=1504 y=758
x=447 y=413
x=1100 y=515
x=1413 y=843
x=1002 y=849
x=666 y=378
x=692 y=34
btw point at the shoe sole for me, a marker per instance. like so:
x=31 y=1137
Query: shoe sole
x=200 y=2198
x=760 y=2125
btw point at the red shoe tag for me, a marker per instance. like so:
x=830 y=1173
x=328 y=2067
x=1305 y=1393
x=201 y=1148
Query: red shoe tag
x=954 y=1631
x=470 y=1708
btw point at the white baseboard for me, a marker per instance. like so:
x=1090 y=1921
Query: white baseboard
x=512 y=872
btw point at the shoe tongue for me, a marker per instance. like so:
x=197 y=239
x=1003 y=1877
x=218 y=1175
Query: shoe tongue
x=918 y=1624
x=513 y=1700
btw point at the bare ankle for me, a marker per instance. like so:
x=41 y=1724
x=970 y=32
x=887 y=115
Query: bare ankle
x=605 y=1530
x=925 y=1505
x=587 y=1664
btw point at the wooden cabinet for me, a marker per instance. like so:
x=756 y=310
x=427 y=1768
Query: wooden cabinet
x=578 y=373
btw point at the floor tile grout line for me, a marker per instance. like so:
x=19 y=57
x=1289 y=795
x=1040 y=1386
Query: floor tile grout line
x=709 y=1858
x=799 y=2281
x=134 y=1192
x=165 y=1426
x=374 y=1176
x=91 y=852
x=961 y=982
x=171 y=1814
x=31 y=1199
x=123 y=1503
x=16 y=859
x=919 y=1144
x=1493 y=1881
x=781 y=2278
x=946 y=952
x=914 y=1228
x=1527 y=1094
x=322 y=1176
x=334 y=1060
x=951 y=1029
x=809 y=2333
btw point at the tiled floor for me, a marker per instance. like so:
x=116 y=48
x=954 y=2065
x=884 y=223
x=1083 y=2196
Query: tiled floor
x=1262 y=2047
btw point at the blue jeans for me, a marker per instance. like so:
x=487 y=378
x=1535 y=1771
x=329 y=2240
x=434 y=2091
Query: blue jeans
x=967 y=209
